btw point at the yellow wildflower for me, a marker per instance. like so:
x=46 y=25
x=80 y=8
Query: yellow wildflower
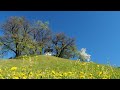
x=53 y=72
x=98 y=65
x=65 y=74
x=82 y=75
x=90 y=76
x=69 y=73
x=13 y=68
x=60 y=75
x=16 y=77
x=24 y=77
x=30 y=73
x=100 y=73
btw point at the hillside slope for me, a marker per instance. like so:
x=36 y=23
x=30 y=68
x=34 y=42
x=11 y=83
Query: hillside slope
x=50 y=67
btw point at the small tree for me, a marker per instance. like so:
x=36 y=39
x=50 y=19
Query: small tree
x=83 y=56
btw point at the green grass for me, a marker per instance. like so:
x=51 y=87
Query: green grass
x=50 y=67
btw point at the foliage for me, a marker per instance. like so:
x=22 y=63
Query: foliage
x=64 y=46
x=23 y=37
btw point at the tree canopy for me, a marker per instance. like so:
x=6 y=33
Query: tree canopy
x=24 y=37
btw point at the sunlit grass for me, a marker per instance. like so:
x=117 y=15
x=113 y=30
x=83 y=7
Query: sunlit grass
x=49 y=67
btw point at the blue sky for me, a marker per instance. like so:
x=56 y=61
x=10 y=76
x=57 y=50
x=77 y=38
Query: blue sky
x=97 y=31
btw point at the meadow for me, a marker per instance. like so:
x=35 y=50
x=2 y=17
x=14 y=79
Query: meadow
x=50 y=67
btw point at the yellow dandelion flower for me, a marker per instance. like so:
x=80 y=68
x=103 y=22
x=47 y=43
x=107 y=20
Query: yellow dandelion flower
x=30 y=73
x=24 y=77
x=100 y=73
x=82 y=76
x=16 y=77
x=90 y=75
x=22 y=74
x=60 y=75
x=98 y=65
x=53 y=72
x=65 y=74
x=69 y=72
x=13 y=68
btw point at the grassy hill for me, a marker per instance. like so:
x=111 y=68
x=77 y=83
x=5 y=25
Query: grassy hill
x=50 y=67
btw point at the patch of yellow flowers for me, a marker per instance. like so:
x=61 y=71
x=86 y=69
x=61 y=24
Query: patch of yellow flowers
x=27 y=73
